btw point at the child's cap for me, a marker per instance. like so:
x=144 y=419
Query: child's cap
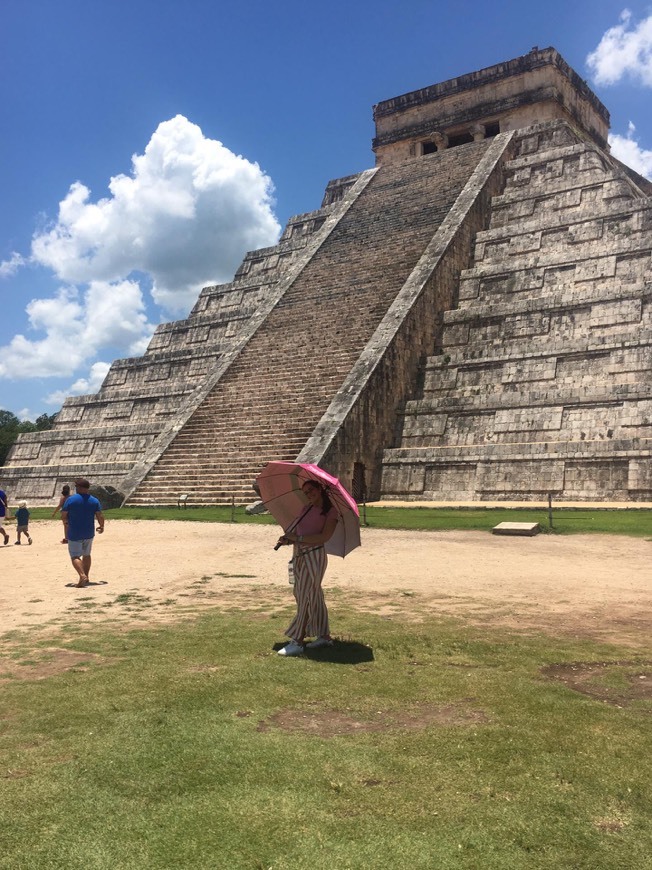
x=23 y=504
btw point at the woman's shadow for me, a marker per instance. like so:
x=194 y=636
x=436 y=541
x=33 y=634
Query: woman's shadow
x=343 y=652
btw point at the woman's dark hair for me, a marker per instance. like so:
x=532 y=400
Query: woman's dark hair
x=327 y=504
x=65 y=490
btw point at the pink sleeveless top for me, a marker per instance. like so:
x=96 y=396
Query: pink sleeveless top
x=313 y=522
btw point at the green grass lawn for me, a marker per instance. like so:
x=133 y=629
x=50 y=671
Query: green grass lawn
x=435 y=746
x=633 y=522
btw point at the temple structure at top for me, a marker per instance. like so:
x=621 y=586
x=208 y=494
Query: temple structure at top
x=481 y=304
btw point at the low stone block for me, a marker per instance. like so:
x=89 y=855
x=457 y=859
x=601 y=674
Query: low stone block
x=258 y=507
x=525 y=529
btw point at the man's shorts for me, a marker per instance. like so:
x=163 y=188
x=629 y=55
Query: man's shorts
x=77 y=549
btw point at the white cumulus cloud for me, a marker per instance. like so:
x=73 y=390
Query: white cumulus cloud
x=624 y=50
x=77 y=325
x=82 y=386
x=185 y=216
x=627 y=149
x=12 y=265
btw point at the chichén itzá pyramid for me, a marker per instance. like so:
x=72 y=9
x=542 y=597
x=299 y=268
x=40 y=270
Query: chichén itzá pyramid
x=481 y=300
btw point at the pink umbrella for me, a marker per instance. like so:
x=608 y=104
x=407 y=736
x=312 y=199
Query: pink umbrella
x=280 y=483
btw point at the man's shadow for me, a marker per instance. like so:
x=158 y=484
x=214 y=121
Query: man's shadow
x=88 y=585
x=343 y=652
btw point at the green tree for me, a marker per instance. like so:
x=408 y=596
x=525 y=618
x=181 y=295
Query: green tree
x=45 y=421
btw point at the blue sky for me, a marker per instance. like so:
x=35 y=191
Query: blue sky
x=146 y=145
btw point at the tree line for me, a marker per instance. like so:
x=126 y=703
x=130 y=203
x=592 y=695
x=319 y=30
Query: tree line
x=11 y=427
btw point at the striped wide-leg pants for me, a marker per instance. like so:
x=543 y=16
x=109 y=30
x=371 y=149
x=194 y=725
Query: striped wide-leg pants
x=312 y=616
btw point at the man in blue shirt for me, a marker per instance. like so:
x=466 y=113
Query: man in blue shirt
x=79 y=513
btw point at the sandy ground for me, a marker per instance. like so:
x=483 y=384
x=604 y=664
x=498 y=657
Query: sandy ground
x=144 y=572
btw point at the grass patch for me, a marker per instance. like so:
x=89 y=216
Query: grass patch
x=442 y=746
x=634 y=522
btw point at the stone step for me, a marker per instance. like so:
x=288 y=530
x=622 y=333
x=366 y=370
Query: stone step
x=593 y=326
x=640 y=448
x=570 y=199
x=461 y=431
x=589 y=261
x=533 y=398
x=615 y=217
x=549 y=300
x=532 y=348
x=618 y=357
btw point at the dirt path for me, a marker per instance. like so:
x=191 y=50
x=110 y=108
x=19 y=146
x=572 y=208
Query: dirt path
x=149 y=571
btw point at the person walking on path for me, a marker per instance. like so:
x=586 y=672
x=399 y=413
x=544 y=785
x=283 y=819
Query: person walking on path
x=309 y=532
x=3 y=514
x=79 y=513
x=22 y=523
x=65 y=492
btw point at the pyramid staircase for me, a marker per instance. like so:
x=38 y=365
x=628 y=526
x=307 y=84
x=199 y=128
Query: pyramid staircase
x=543 y=379
x=269 y=398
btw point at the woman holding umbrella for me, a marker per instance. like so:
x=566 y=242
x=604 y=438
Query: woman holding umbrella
x=312 y=528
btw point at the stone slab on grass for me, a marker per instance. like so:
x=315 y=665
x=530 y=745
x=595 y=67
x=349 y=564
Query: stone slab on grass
x=527 y=529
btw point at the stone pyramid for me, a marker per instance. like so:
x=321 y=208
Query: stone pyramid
x=468 y=320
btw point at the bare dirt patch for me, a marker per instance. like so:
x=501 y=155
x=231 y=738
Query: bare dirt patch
x=148 y=572
x=43 y=663
x=336 y=723
x=617 y=683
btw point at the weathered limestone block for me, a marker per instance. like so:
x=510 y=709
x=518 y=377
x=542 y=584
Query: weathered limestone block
x=612 y=313
x=519 y=325
x=71 y=447
x=602 y=267
x=72 y=411
x=108 y=496
x=27 y=451
x=585 y=232
x=589 y=479
x=565 y=199
x=590 y=159
x=468 y=428
x=638 y=413
x=439 y=378
x=595 y=422
x=450 y=482
x=522 y=176
x=636 y=359
x=471 y=376
x=630 y=268
x=529 y=370
x=574 y=370
x=520 y=477
x=639 y=475
x=457 y=334
x=523 y=529
x=469 y=289
x=430 y=426
x=405 y=479
x=528 y=419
